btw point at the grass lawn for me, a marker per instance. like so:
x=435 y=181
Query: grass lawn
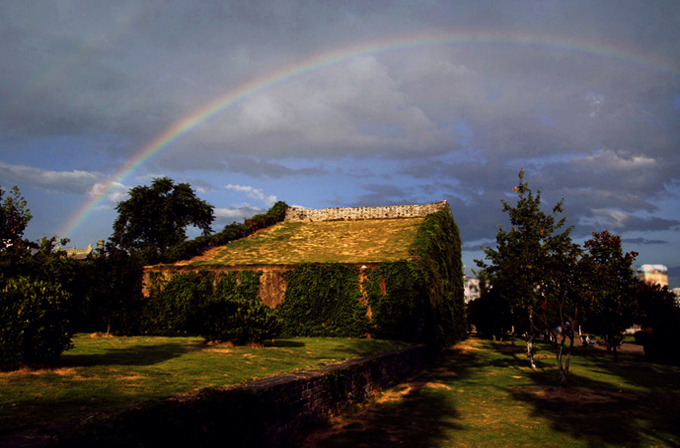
x=482 y=393
x=289 y=243
x=103 y=373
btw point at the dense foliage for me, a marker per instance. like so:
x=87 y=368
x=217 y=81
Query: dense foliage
x=562 y=287
x=34 y=325
x=609 y=287
x=156 y=217
x=437 y=249
x=222 y=309
x=398 y=299
x=323 y=300
x=659 y=316
x=14 y=217
x=231 y=232
x=420 y=299
x=534 y=269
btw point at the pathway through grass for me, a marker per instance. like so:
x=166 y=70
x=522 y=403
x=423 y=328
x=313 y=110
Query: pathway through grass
x=482 y=393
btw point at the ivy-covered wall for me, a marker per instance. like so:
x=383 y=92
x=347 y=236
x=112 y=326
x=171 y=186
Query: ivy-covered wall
x=323 y=300
x=419 y=299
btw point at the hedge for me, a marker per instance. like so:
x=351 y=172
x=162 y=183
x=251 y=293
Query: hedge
x=34 y=325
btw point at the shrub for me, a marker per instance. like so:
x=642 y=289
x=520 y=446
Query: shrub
x=34 y=322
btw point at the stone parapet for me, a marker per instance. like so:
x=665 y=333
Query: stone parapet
x=299 y=214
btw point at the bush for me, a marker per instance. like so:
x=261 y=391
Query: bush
x=34 y=319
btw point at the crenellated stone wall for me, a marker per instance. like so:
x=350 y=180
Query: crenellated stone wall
x=299 y=214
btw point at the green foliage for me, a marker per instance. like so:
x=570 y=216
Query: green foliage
x=14 y=217
x=155 y=218
x=437 y=248
x=517 y=264
x=534 y=268
x=490 y=315
x=34 y=322
x=115 y=300
x=610 y=287
x=235 y=314
x=397 y=298
x=175 y=307
x=659 y=316
x=225 y=309
x=422 y=299
x=231 y=232
x=323 y=300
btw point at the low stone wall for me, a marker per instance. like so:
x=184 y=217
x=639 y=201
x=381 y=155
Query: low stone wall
x=267 y=412
x=298 y=214
x=296 y=400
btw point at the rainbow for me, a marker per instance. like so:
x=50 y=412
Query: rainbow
x=185 y=125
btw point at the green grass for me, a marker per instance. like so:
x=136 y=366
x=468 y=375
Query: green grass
x=482 y=393
x=289 y=243
x=107 y=373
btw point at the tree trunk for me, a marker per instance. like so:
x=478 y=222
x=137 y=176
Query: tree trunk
x=530 y=339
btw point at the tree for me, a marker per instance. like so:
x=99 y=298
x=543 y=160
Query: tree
x=610 y=288
x=14 y=217
x=659 y=316
x=532 y=268
x=156 y=217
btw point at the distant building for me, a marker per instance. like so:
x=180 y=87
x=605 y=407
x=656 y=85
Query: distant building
x=654 y=274
x=472 y=289
x=82 y=254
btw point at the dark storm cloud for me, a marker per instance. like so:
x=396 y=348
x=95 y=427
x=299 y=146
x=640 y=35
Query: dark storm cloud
x=584 y=96
x=643 y=241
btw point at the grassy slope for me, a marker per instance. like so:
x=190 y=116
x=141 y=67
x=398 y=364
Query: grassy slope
x=483 y=393
x=319 y=242
x=105 y=373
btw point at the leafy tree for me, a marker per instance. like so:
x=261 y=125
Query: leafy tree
x=156 y=217
x=659 y=316
x=531 y=267
x=610 y=288
x=490 y=313
x=14 y=217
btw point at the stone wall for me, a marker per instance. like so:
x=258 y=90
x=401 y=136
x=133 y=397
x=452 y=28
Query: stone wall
x=299 y=214
x=266 y=412
x=295 y=400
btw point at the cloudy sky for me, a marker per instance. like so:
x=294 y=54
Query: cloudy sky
x=346 y=103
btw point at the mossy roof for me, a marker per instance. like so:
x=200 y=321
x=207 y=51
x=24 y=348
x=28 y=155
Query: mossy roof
x=289 y=243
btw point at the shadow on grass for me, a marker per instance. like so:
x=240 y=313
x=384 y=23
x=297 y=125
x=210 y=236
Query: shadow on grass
x=604 y=412
x=139 y=355
x=420 y=412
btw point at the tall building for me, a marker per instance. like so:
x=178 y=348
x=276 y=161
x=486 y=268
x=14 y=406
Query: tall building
x=655 y=274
